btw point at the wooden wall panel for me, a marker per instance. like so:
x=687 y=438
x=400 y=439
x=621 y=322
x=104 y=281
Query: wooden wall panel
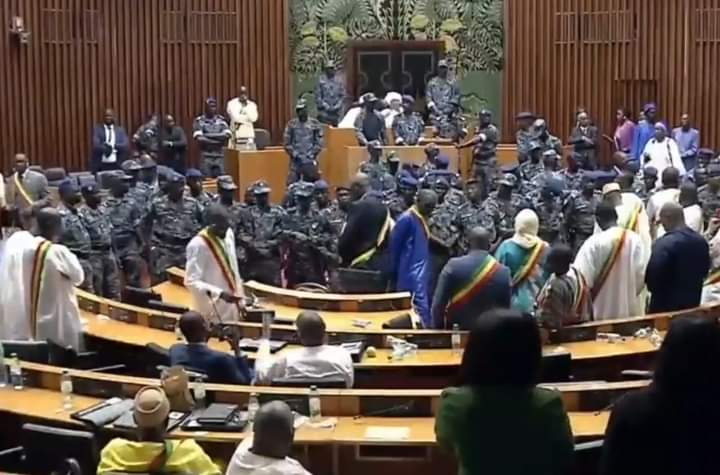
x=605 y=54
x=137 y=56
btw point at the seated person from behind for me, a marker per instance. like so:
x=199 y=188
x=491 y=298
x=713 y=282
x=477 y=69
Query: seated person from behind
x=152 y=452
x=565 y=297
x=316 y=360
x=267 y=451
x=219 y=367
x=498 y=420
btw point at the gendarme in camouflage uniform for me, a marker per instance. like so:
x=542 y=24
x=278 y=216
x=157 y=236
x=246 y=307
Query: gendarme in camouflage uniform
x=74 y=236
x=212 y=132
x=303 y=140
x=106 y=273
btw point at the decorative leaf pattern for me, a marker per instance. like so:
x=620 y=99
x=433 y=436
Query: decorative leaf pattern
x=472 y=29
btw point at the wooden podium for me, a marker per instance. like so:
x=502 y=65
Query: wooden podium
x=270 y=165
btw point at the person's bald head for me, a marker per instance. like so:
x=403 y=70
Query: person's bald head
x=670 y=177
x=479 y=239
x=273 y=430
x=671 y=216
x=359 y=186
x=625 y=181
x=193 y=327
x=310 y=328
x=426 y=200
x=218 y=219
x=49 y=223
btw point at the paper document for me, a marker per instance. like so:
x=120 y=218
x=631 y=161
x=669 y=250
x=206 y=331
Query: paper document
x=387 y=433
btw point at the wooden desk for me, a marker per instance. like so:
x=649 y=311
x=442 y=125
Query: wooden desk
x=46 y=404
x=335 y=320
x=270 y=165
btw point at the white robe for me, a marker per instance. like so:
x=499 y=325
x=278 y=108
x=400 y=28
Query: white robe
x=621 y=294
x=203 y=276
x=348 y=122
x=711 y=292
x=58 y=315
x=242 y=117
x=663 y=155
x=656 y=203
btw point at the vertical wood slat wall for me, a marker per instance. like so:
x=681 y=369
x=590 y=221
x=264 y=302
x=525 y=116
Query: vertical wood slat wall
x=137 y=56
x=605 y=54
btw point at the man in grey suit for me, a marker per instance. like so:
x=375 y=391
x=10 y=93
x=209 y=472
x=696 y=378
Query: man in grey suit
x=25 y=187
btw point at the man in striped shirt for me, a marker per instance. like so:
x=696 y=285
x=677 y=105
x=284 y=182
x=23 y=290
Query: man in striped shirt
x=471 y=284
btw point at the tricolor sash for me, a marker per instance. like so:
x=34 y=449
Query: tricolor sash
x=365 y=256
x=632 y=222
x=413 y=209
x=223 y=261
x=609 y=264
x=36 y=280
x=482 y=276
x=20 y=189
x=533 y=259
x=580 y=292
x=713 y=278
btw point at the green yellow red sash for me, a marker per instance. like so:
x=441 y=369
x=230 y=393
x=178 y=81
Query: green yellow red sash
x=218 y=251
x=20 y=188
x=632 y=223
x=365 y=256
x=413 y=209
x=484 y=273
x=609 y=264
x=580 y=292
x=527 y=268
x=36 y=278
x=713 y=278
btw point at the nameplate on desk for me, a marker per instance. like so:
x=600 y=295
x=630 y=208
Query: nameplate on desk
x=162 y=322
x=123 y=315
x=387 y=433
x=92 y=306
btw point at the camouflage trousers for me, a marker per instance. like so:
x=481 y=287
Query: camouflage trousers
x=106 y=274
x=164 y=257
x=212 y=165
x=88 y=282
x=486 y=171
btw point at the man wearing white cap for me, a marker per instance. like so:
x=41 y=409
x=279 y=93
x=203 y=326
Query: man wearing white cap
x=613 y=264
x=662 y=151
x=152 y=453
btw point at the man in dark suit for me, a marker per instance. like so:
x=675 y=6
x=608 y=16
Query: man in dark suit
x=679 y=263
x=219 y=367
x=110 y=145
x=471 y=284
x=173 y=145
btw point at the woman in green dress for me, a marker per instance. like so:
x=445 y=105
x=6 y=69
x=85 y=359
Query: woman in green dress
x=524 y=254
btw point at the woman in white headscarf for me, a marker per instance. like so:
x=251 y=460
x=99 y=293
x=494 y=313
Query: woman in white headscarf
x=662 y=152
x=524 y=254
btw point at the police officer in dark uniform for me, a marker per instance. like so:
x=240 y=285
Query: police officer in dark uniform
x=261 y=237
x=649 y=180
x=408 y=127
x=376 y=170
x=709 y=196
x=194 y=179
x=484 y=150
x=451 y=125
x=443 y=235
x=532 y=167
x=309 y=240
x=471 y=214
x=580 y=214
x=74 y=234
x=549 y=208
x=104 y=262
x=572 y=175
x=700 y=172
x=303 y=140
x=545 y=139
x=369 y=125
x=176 y=218
x=337 y=212
x=549 y=172
x=503 y=205
x=308 y=173
x=321 y=196
x=329 y=96
x=147 y=137
x=126 y=237
x=212 y=132
x=239 y=215
x=524 y=135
